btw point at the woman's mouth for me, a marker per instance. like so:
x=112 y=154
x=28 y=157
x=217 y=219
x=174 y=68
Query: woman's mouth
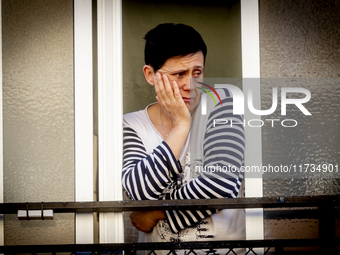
x=187 y=99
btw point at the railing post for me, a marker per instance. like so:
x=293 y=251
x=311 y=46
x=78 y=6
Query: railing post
x=327 y=229
x=278 y=250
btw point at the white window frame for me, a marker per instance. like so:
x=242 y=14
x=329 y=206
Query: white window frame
x=83 y=119
x=251 y=73
x=110 y=116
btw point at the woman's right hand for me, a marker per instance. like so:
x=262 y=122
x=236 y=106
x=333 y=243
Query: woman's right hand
x=174 y=108
x=170 y=100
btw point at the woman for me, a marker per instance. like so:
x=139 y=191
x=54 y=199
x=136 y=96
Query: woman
x=166 y=142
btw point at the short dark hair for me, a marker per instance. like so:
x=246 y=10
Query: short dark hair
x=169 y=40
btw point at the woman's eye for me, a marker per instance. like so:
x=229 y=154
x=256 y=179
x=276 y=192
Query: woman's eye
x=197 y=74
x=179 y=74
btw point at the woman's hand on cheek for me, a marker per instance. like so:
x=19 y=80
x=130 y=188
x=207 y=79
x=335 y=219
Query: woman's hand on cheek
x=170 y=100
x=172 y=105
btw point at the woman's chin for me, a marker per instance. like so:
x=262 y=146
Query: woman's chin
x=192 y=106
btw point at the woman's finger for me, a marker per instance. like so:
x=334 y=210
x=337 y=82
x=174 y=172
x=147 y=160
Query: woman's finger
x=177 y=94
x=169 y=91
x=159 y=88
x=167 y=86
x=179 y=100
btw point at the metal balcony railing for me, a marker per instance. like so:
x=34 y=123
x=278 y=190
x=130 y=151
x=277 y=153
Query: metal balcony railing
x=324 y=208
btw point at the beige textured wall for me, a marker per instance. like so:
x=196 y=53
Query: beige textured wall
x=38 y=115
x=217 y=21
x=301 y=39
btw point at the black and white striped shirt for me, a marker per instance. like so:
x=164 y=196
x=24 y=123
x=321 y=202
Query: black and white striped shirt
x=150 y=168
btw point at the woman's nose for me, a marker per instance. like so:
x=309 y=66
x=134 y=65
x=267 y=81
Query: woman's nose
x=186 y=82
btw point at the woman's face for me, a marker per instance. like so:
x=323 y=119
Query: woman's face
x=181 y=70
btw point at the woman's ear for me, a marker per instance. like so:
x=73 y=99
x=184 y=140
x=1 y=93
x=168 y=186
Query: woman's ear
x=149 y=74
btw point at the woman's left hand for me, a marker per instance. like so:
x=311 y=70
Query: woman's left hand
x=145 y=220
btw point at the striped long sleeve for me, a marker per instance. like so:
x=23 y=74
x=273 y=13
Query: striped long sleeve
x=223 y=146
x=145 y=176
